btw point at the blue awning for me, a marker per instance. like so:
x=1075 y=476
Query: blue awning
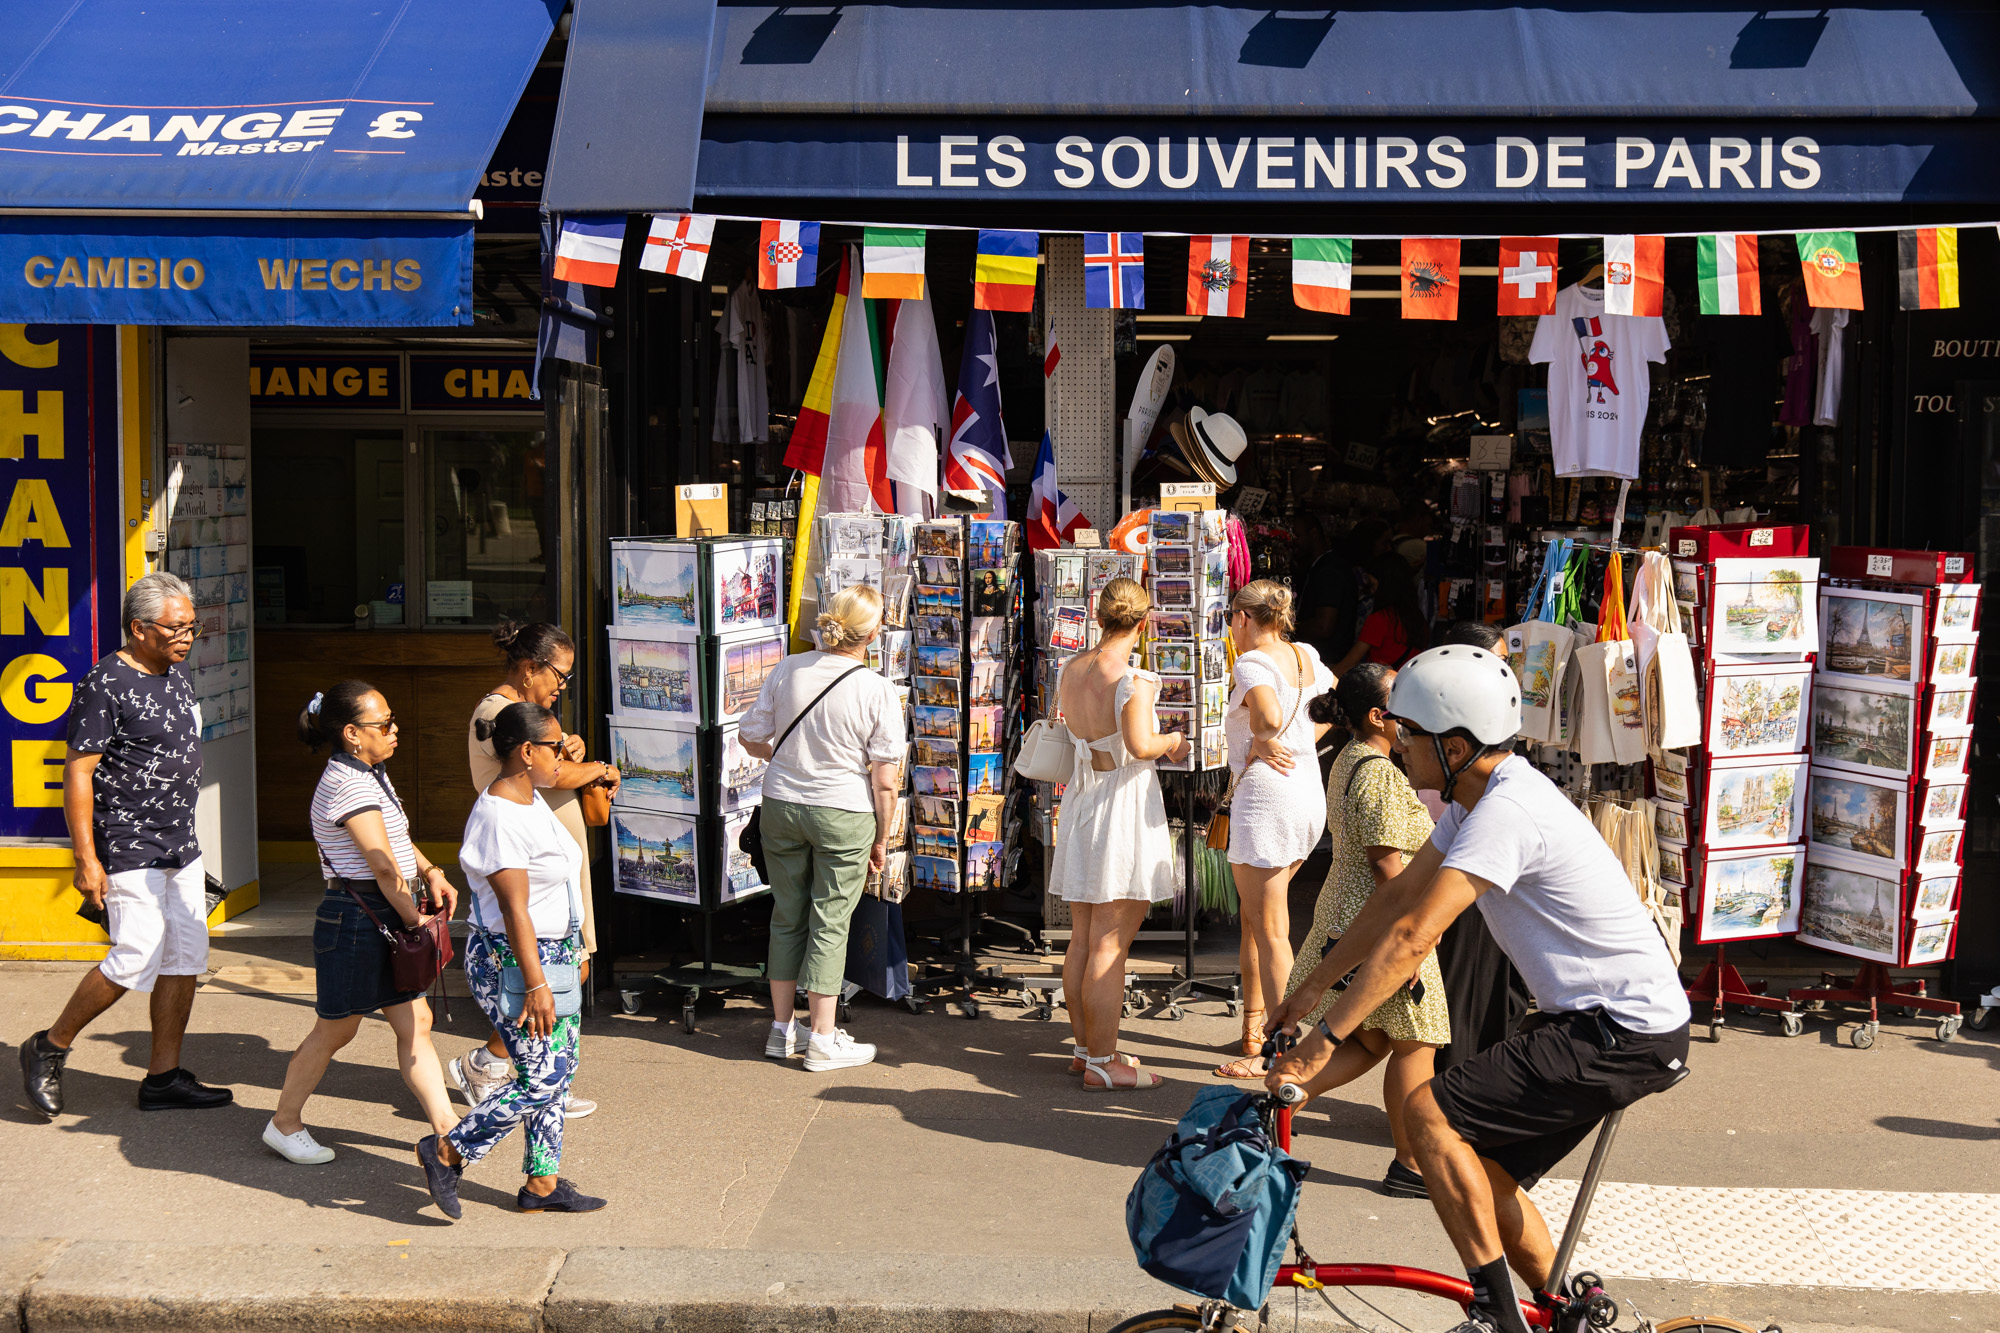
x=259 y=106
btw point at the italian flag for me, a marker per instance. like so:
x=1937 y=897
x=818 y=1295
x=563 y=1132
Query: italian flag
x=892 y=263
x=1323 y=273
x=1927 y=268
x=1725 y=266
x=1218 y=275
x=1635 y=275
x=1832 y=269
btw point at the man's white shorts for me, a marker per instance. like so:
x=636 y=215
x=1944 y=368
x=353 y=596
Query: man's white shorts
x=159 y=926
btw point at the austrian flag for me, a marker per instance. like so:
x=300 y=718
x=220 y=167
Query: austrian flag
x=677 y=243
x=1528 y=275
x=1218 y=275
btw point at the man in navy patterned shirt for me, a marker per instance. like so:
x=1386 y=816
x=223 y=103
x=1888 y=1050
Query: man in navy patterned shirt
x=130 y=783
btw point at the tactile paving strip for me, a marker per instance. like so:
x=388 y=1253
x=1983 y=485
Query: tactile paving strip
x=1874 y=1239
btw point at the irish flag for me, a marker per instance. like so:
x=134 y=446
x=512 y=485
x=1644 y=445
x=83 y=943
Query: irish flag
x=1323 y=273
x=1725 y=268
x=1635 y=275
x=1832 y=269
x=1218 y=275
x=892 y=263
x=1927 y=268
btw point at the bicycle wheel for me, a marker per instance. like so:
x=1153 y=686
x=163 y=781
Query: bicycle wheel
x=1707 y=1324
x=1161 y=1321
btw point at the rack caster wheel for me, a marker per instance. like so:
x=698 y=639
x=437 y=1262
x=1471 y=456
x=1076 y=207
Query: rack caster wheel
x=1129 y=1009
x=1175 y=1013
x=1045 y=1012
x=1861 y=1036
x=1236 y=1008
x=687 y=1018
x=970 y=1008
x=1947 y=1027
x=913 y=1004
x=1794 y=1024
x=1027 y=999
x=1715 y=1028
x=1979 y=1018
x=841 y=1011
x=630 y=1000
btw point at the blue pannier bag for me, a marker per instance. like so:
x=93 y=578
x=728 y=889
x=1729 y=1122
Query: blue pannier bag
x=1212 y=1211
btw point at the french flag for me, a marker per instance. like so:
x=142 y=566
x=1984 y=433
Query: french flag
x=587 y=250
x=1052 y=519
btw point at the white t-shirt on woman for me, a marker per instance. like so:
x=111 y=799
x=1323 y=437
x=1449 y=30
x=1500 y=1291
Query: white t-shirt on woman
x=503 y=835
x=825 y=762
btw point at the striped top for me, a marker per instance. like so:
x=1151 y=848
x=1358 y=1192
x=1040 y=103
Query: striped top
x=347 y=788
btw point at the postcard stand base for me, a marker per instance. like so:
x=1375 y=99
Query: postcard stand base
x=1872 y=986
x=697 y=977
x=1169 y=992
x=1720 y=983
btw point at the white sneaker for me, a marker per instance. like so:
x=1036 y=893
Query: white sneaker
x=301 y=1147
x=785 y=1041
x=836 y=1050
x=474 y=1078
x=576 y=1108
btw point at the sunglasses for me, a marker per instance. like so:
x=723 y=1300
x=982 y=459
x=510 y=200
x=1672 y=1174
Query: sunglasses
x=385 y=726
x=553 y=745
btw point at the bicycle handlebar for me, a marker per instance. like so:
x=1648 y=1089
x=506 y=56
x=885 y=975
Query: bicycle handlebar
x=1290 y=1094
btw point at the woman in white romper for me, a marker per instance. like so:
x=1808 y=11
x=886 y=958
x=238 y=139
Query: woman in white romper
x=1113 y=857
x=1278 y=811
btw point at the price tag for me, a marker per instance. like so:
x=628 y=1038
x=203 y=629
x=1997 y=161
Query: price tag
x=1250 y=500
x=1491 y=453
x=1954 y=564
x=1086 y=538
x=1762 y=537
x=1186 y=490
x=1881 y=566
x=701 y=491
x=701 y=510
x=1362 y=455
x=1686 y=547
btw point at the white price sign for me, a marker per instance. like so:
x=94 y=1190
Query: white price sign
x=1250 y=500
x=705 y=491
x=1762 y=537
x=1187 y=490
x=1881 y=566
x=1491 y=453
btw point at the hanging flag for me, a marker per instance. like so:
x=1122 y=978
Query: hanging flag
x=1052 y=353
x=1927 y=268
x=677 y=243
x=1218 y=275
x=1051 y=518
x=915 y=410
x=1003 y=271
x=853 y=477
x=1114 y=270
x=1725 y=268
x=587 y=250
x=1635 y=275
x=1323 y=273
x=806 y=450
x=978 y=457
x=892 y=263
x=787 y=254
x=1430 y=277
x=1832 y=269
x=1528 y=275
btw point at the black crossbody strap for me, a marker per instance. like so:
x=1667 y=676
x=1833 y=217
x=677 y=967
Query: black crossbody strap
x=1355 y=772
x=814 y=704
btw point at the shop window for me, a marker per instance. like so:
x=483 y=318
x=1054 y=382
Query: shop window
x=484 y=557
x=328 y=532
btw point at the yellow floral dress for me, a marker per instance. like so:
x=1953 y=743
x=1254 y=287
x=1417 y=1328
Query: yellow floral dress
x=1381 y=810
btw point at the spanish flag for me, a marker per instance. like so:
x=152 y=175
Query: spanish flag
x=1927 y=268
x=1832 y=269
x=1003 y=274
x=807 y=449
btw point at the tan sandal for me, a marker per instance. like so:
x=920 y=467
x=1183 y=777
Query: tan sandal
x=1101 y=1066
x=1078 y=1054
x=1250 y=1065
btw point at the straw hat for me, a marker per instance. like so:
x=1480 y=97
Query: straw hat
x=1219 y=442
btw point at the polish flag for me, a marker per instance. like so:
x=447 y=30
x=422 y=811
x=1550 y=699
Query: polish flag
x=1218 y=275
x=1528 y=275
x=1635 y=275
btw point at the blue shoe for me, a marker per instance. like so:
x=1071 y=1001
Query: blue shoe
x=440 y=1178
x=562 y=1199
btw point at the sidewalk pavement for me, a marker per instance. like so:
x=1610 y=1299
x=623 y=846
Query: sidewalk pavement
x=963 y=1182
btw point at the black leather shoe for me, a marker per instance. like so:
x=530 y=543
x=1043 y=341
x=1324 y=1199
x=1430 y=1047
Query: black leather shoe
x=440 y=1177
x=564 y=1198
x=41 y=1073
x=182 y=1093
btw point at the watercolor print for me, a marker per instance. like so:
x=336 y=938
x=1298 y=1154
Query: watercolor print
x=655 y=677
x=1870 y=633
x=1935 y=898
x=1939 y=851
x=1765 y=606
x=1952 y=662
x=1951 y=712
x=1755 y=804
x=1669 y=785
x=1670 y=821
x=1673 y=863
x=1957 y=613
x=1865 y=816
x=742 y=774
x=653 y=585
x=1750 y=896
x=1850 y=911
x=657 y=768
x=746 y=585
x=1757 y=711
x=655 y=855
x=1944 y=802
x=1930 y=944
x=1867 y=730
x=744 y=668
x=1946 y=756
x=740 y=878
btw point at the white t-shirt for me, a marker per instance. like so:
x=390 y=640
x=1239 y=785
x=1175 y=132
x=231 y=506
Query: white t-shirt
x=1830 y=328
x=502 y=835
x=1561 y=906
x=825 y=762
x=748 y=417
x=1598 y=383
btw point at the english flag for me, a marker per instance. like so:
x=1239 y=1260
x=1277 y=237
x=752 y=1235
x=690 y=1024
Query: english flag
x=1527 y=275
x=1114 y=270
x=978 y=458
x=1052 y=519
x=1725 y=269
x=677 y=243
x=1218 y=275
x=1635 y=275
x=587 y=250
x=787 y=254
x=1430 y=277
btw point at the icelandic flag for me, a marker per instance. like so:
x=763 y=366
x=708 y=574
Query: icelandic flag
x=977 y=458
x=677 y=243
x=1114 y=270
x=788 y=254
x=587 y=250
x=1052 y=519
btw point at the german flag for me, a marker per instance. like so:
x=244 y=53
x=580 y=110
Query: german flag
x=1927 y=268
x=1832 y=266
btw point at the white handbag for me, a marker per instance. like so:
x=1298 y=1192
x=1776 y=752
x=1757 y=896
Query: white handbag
x=1047 y=754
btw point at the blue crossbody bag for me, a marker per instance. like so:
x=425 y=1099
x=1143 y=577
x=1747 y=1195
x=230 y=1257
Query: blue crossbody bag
x=565 y=979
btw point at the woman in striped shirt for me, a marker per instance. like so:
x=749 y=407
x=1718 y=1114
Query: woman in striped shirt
x=371 y=866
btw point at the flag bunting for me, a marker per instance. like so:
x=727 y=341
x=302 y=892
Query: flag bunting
x=1003 y=272
x=1323 y=273
x=1528 y=275
x=587 y=250
x=892 y=263
x=1218 y=275
x=1832 y=266
x=677 y=243
x=1430 y=277
x=1114 y=270
x=1927 y=268
x=787 y=254
x=1635 y=275
x=1725 y=269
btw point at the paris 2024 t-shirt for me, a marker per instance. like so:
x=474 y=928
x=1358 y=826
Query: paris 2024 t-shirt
x=1598 y=382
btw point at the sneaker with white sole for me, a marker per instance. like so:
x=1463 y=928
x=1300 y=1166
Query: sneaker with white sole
x=836 y=1050
x=473 y=1078
x=785 y=1041
x=576 y=1108
x=300 y=1148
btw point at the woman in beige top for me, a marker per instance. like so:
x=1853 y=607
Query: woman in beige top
x=540 y=660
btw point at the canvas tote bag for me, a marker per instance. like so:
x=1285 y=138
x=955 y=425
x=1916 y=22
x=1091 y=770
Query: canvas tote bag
x=1666 y=662
x=1544 y=647
x=1610 y=727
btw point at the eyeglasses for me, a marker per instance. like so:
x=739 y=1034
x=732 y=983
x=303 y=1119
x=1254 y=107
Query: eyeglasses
x=385 y=726
x=562 y=677
x=191 y=630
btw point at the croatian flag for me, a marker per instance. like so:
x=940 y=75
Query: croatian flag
x=677 y=243
x=587 y=250
x=1114 y=270
x=1052 y=519
x=788 y=254
x=977 y=458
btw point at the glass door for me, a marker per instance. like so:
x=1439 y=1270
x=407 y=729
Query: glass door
x=485 y=560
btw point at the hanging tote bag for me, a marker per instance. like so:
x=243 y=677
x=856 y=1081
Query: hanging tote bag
x=1628 y=719
x=1603 y=668
x=1544 y=648
x=1667 y=673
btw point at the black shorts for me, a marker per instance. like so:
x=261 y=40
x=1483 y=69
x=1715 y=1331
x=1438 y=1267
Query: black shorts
x=1526 y=1103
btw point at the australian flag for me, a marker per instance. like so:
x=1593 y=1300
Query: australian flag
x=1114 y=270
x=977 y=458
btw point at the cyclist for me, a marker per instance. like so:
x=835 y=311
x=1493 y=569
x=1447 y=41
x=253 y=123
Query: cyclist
x=1612 y=1020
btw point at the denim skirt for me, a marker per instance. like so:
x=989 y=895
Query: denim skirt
x=350 y=957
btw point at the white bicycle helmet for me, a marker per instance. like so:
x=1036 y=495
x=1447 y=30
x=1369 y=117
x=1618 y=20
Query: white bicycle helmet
x=1458 y=688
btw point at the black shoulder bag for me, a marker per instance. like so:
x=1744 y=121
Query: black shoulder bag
x=751 y=840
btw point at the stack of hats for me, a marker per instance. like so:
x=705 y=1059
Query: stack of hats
x=1206 y=447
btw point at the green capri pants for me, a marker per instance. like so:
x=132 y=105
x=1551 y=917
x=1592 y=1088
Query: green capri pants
x=818 y=859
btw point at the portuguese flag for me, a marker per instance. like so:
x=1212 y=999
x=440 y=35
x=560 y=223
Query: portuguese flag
x=1927 y=268
x=1832 y=269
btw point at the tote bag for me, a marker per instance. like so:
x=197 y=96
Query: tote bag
x=1666 y=661
x=1544 y=647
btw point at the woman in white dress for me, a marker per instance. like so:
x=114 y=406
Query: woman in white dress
x=1278 y=810
x=1113 y=858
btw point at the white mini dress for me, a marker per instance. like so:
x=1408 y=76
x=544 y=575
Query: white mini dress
x=1276 y=818
x=1112 y=843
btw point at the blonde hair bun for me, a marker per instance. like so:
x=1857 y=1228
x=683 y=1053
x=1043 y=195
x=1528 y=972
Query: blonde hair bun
x=1267 y=602
x=1122 y=604
x=851 y=616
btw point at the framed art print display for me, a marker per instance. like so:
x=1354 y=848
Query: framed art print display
x=653 y=583
x=745 y=585
x=655 y=856
x=1935 y=899
x=1931 y=943
x=1937 y=852
x=739 y=877
x=1940 y=803
x=1859 y=815
x=741 y=774
x=1864 y=728
x=1749 y=895
x=1953 y=663
x=1949 y=711
x=657 y=767
x=1944 y=757
x=1670 y=821
x=1872 y=635
x=1957 y=617
x=1852 y=908
x=1764 y=606
x=739 y=665
x=657 y=679
x=1758 y=709
x=1753 y=802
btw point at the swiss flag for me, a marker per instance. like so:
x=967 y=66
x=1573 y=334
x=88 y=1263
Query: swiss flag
x=1528 y=275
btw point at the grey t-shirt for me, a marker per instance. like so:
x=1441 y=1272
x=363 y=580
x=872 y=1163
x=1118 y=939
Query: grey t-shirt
x=1561 y=906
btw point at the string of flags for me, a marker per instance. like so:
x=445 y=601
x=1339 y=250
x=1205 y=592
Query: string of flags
x=892 y=263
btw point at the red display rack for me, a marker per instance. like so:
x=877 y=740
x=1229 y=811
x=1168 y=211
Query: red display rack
x=1720 y=983
x=1871 y=985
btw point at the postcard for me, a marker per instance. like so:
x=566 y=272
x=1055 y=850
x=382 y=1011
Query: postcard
x=935 y=691
x=988 y=680
x=655 y=677
x=1214 y=748
x=1945 y=756
x=936 y=811
x=936 y=751
x=657 y=767
x=991 y=592
x=1749 y=894
x=1670 y=821
x=937 y=722
x=1938 y=852
x=982 y=866
x=1935 y=898
x=938 y=659
x=938 y=571
x=1957 y=613
x=989 y=636
x=935 y=872
x=938 y=629
x=1171 y=560
x=940 y=539
x=1067 y=632
x=1862 y=815
x=1953 y=662
x=1951 y=712
x=1172 y=658
x=983 y=814
x=896 y=644
x=1214 y=702
x=1673 y=862
x=1863 y=728
x=983 y=774
x=1172 y=593
x=936 y=781
x=1850 y=909
x=986 y=728
x=1214 y=661
x=936 y=841
x=1943 y=803
x=746 y=585
x=1176 y=690
x=655 y=855
x=1868 y=633
x=939 y=601
x=854 y=534
x=1066 y=583
x=1930 y=943
x=1177 y=625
